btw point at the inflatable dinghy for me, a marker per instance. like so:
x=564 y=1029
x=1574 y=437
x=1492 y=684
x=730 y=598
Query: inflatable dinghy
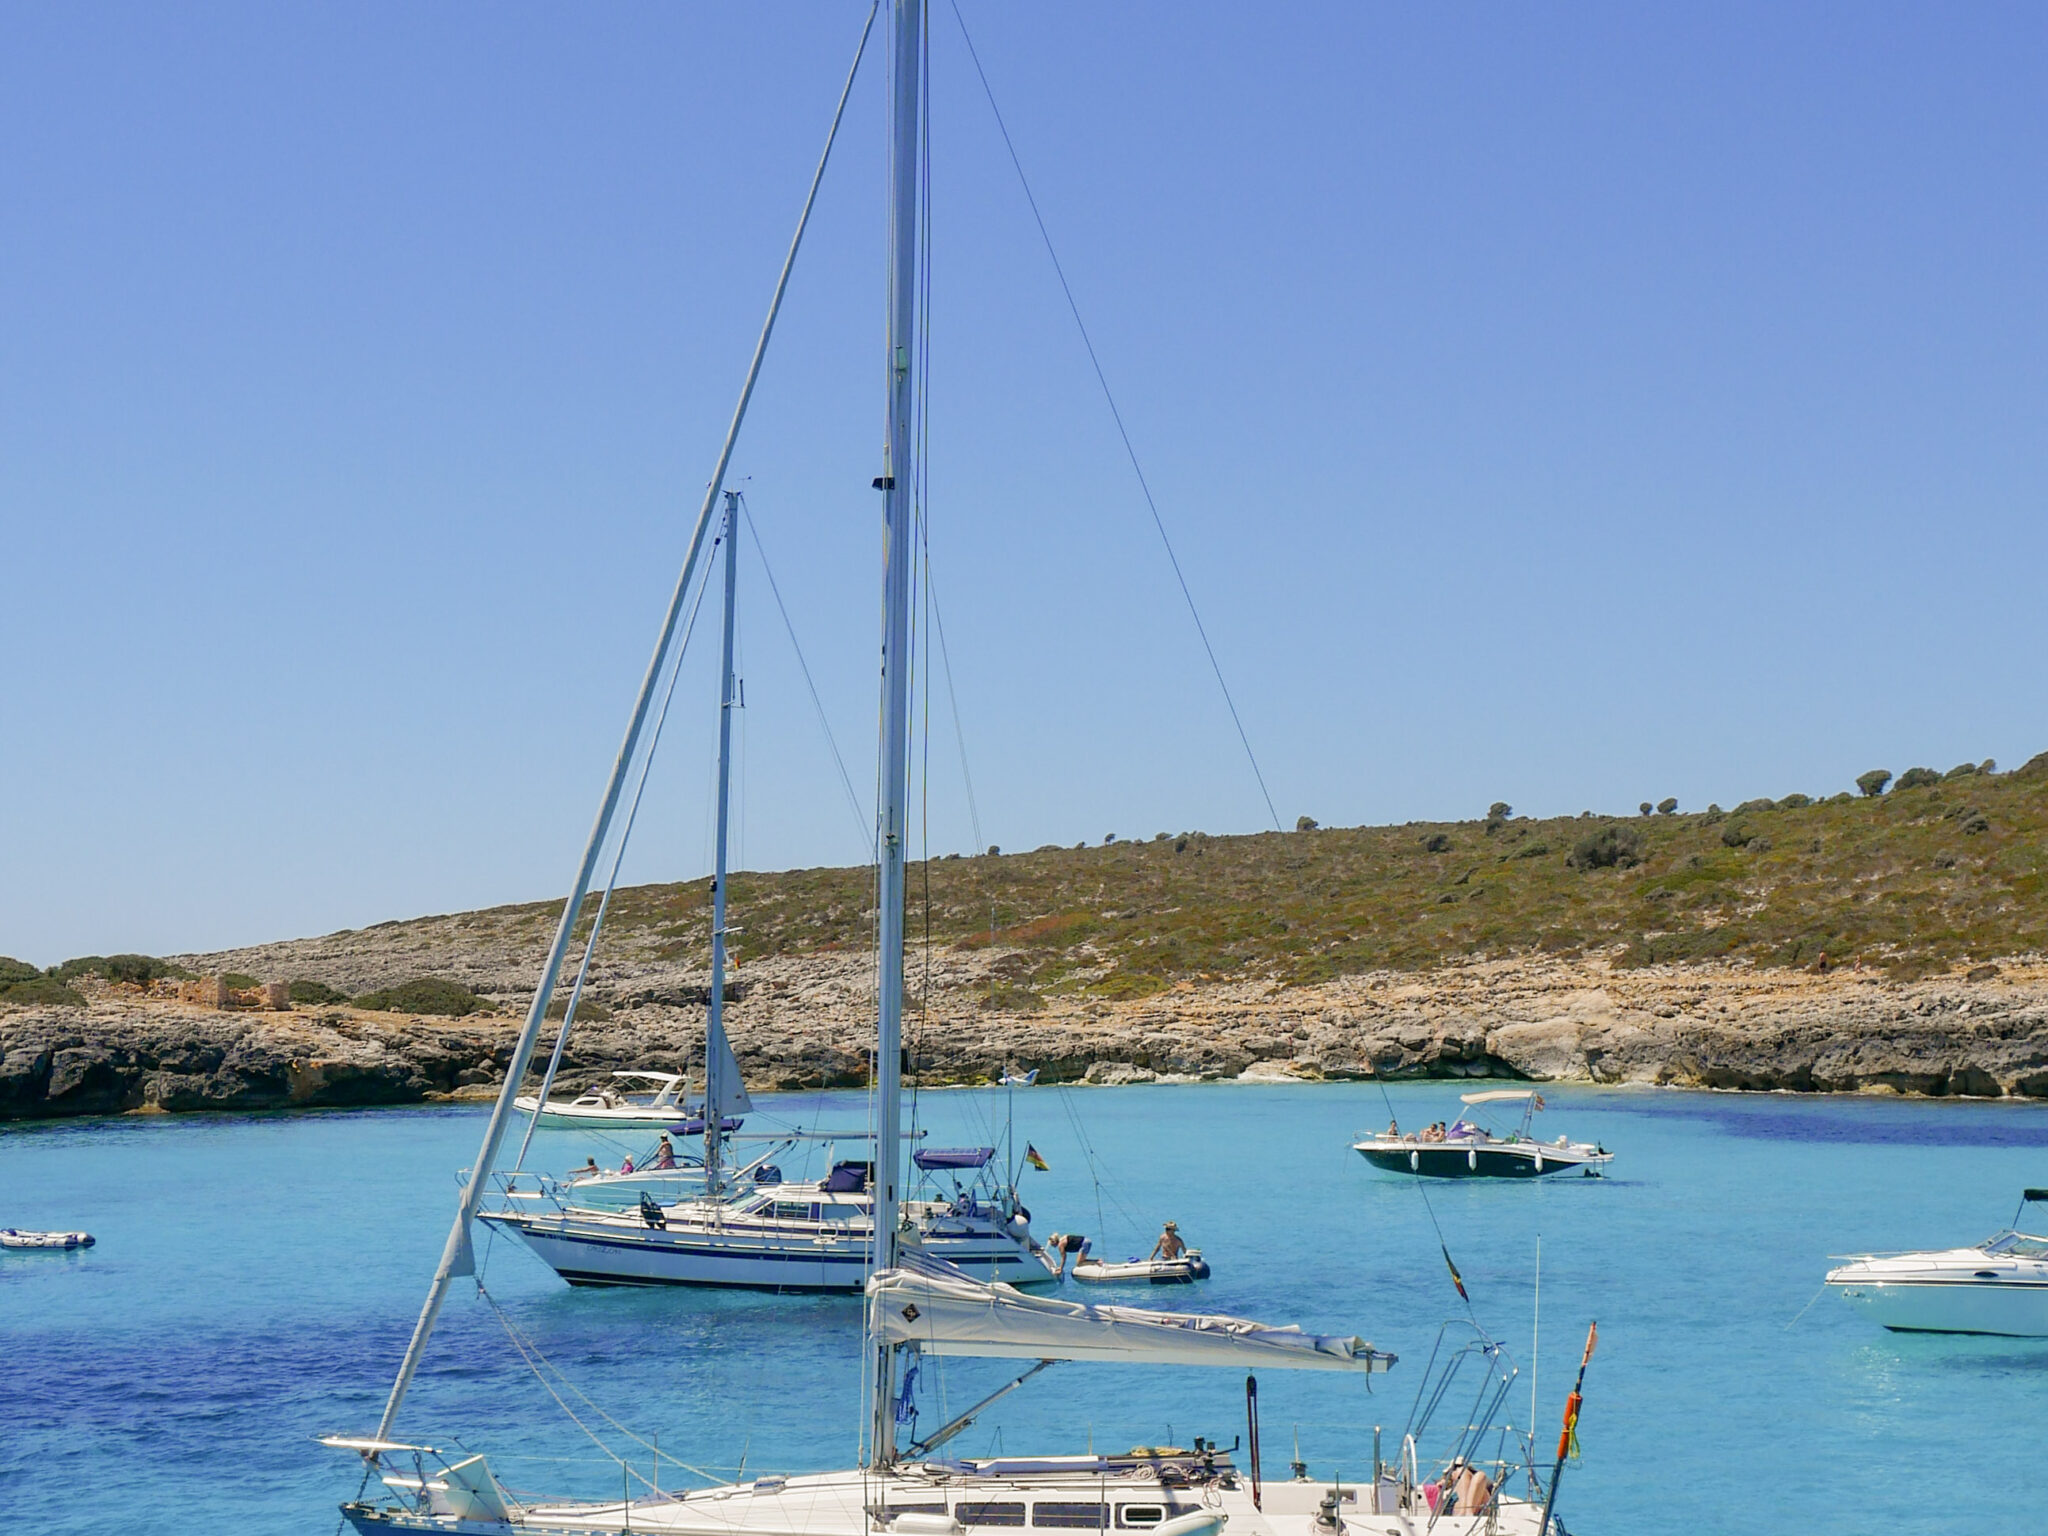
x=11 y=1237
x=1184 y=1270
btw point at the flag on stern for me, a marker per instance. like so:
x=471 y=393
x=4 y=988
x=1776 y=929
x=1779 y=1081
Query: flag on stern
x=1031 y=1156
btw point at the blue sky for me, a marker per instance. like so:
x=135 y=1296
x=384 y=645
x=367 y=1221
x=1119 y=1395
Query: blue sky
x=1569 y=405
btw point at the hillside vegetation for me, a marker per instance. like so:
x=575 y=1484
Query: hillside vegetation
x=1943 y=869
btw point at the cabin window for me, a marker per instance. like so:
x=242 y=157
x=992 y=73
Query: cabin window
x=795 y=1210
x=989 y=1514
x=1139 y=1516
x=1085 y=1517
x=912 y=1509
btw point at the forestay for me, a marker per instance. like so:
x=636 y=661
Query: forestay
x=950 y=1314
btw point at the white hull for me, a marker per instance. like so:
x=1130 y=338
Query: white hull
x=1953 y=1306
x=561 y=1116
x=1001 y=1498
x=593 y=1248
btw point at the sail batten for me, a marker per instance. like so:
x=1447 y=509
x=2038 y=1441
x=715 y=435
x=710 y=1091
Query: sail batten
x=950 y=1314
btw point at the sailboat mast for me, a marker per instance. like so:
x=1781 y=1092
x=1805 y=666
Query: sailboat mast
x=715 y=1052
x=895 y=482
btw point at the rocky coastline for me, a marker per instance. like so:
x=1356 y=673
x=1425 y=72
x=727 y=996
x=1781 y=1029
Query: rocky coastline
x=800 y=1022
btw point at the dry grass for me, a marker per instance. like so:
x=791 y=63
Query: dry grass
x=1914 y=880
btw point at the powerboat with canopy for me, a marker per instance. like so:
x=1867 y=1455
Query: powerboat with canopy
x=2000 y=1286
x=920 y=1310
x=614 y=1107
x=1468 y=1149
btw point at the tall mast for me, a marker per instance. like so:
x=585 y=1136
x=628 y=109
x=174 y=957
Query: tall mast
x=715 y=1049
x=893 y=829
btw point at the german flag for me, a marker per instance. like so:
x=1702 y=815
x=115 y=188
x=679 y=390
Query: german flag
x=1456 y=1279
x=1031 y=1156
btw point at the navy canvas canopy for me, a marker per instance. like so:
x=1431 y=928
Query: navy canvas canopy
x=952 y=1157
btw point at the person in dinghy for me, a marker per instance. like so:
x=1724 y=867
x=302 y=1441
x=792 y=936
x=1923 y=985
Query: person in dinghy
x=1171 y=1262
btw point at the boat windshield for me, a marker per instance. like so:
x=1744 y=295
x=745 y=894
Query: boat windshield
x=2018 y=1245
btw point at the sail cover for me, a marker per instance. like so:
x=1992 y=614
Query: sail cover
x=950 y=1314
x=952 y=1157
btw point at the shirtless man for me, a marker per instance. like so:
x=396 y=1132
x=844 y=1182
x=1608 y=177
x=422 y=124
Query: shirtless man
x=1169 y=1245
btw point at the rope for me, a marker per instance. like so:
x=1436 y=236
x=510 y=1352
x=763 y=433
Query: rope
x=1130 y=451
x=1423 y=1190
x=540 y=1365
x=864 y=823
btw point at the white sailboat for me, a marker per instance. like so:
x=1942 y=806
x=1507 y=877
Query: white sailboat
x=919 y=1308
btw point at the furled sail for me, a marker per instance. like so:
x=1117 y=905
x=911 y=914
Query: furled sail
x=725 y=1081
x=944 y=1312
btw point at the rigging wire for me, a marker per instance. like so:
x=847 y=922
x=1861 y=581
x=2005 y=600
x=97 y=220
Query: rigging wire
x=1423 y=1190
x=863 y=822
x=1101 y=378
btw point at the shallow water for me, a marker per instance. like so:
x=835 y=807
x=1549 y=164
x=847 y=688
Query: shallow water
x=256 y=1277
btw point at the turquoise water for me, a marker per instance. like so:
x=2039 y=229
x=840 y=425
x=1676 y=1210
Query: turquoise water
x=256 y=1278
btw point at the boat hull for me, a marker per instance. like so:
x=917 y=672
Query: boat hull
x=1518 y=1160
x=832 y=1504
x=591 y=1253
x=2006 y=1308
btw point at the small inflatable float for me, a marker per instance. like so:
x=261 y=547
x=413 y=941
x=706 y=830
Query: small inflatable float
x=1185 y=1270
x=14 y=1237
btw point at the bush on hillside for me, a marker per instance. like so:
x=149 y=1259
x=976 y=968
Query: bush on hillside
x=1645 y=808
x=140 y=969
x=1436 y=842
x=1306 y=823
x=424 y=994
x=241 y=981
x=1765 y=804
x=39 y=989
x=12 y=970
x=1915 y=778
x=1737 y=835
x=1794 y=802
x=1668 y=806
x=1872 y=783
x=315 y=992
x=1612 y=847
x=1962 y=771
x=590 y=1011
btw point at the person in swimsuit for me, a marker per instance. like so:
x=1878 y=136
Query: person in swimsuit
x=1169 y=1245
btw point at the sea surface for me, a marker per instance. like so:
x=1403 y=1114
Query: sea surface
x=256 y=1278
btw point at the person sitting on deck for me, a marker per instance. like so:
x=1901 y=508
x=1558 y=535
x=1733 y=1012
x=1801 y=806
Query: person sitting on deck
x=1393 y=1130
x=625 y=1165
x=1169 y=1245
x=665 y=1154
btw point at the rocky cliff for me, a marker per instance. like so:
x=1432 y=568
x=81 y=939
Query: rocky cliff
x=803 y=1022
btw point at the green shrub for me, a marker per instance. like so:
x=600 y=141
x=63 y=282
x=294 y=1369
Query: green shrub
x=589 y=1010
x=1535 y=850
x=1611 y=847
x=1645 y=808
x=1737 y=835
x=140 y=969
x=83 y=965
x=40 y=989
x=1668 y=806
x=1915 y=778
x=1747 y=806
x=315 y=992
x=1500 y=810
x=1872 y=783
x=12 y=970
x=1436 y=842
x=1962 y=771
x=425 y=994
x=1306 y=823
x=1794 y=802
x=240 y=982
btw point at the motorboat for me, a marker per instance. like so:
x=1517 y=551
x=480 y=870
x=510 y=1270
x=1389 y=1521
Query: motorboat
x=767 y=1234
x=612 y=1105
x=1468 y=1149
x=16 y=1237
x=2000 y=1286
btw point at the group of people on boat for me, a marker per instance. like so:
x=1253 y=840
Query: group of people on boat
x=664 y=1158
x=1437 y=1131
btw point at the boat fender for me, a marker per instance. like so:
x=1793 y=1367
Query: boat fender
x=1414 y=1161
x=1539 y=1159
x=1472 y=1158
x=1204 y=1522
x=918 y=1522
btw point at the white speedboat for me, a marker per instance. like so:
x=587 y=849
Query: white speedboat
x=1467 y=1149
x=2000 y=1286
x=15 y=1237
x=614 y=1106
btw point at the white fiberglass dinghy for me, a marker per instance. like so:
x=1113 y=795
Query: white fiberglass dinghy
x=2000 y=1286
x=14 y=1237
x=1465 y=1149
